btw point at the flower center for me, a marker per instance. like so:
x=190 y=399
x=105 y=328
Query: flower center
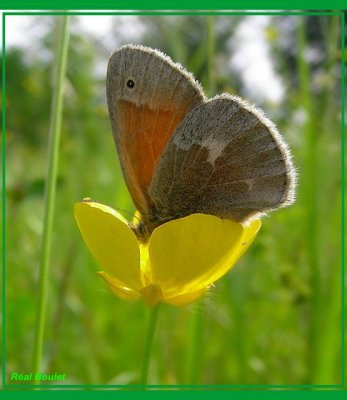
x=151 y=294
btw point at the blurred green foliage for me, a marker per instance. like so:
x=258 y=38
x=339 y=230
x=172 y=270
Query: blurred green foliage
x=275 y=318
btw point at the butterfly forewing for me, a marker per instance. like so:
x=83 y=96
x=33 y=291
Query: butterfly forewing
x=225 y=158
x=148 y=96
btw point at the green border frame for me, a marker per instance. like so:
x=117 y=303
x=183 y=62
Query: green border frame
x=21 y=4
x=172 y=5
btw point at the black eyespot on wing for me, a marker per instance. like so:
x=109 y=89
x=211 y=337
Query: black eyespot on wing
x=130 y=84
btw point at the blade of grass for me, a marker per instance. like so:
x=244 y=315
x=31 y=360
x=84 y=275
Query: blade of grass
x=3 y=204
x=210 y=55
x=310 y=185
x=195 y=344
x=343 y=221
x=50 y=189
x=326 y=370
x=237 y=295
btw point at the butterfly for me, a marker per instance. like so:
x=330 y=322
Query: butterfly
x=182 y=153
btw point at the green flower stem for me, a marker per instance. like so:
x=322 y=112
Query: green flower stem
x=50 y=189
x=152 y=323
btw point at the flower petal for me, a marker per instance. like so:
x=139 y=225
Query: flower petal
x=250 y=232
x=186 y=298
x=188 y=254
x=111 y=241
x=117 y=288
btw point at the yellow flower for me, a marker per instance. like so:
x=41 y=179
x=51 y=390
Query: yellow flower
x=181 y=260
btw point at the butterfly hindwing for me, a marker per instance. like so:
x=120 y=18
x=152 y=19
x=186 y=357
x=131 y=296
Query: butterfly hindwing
x=226 y=159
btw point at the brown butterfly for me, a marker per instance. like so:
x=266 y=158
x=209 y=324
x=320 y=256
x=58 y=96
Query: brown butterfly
x=182 y=153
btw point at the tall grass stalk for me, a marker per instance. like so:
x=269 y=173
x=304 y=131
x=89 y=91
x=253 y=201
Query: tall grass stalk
x=310 y=187
x=343 y=236
x=4 y=203
x=326 y=370
x=195 y=345
x=211 y=84
x=237 y=296
x=50 y=188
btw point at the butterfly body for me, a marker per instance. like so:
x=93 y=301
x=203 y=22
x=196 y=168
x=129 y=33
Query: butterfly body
x=182 y=153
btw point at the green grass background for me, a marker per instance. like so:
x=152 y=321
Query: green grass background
x=275 y=318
